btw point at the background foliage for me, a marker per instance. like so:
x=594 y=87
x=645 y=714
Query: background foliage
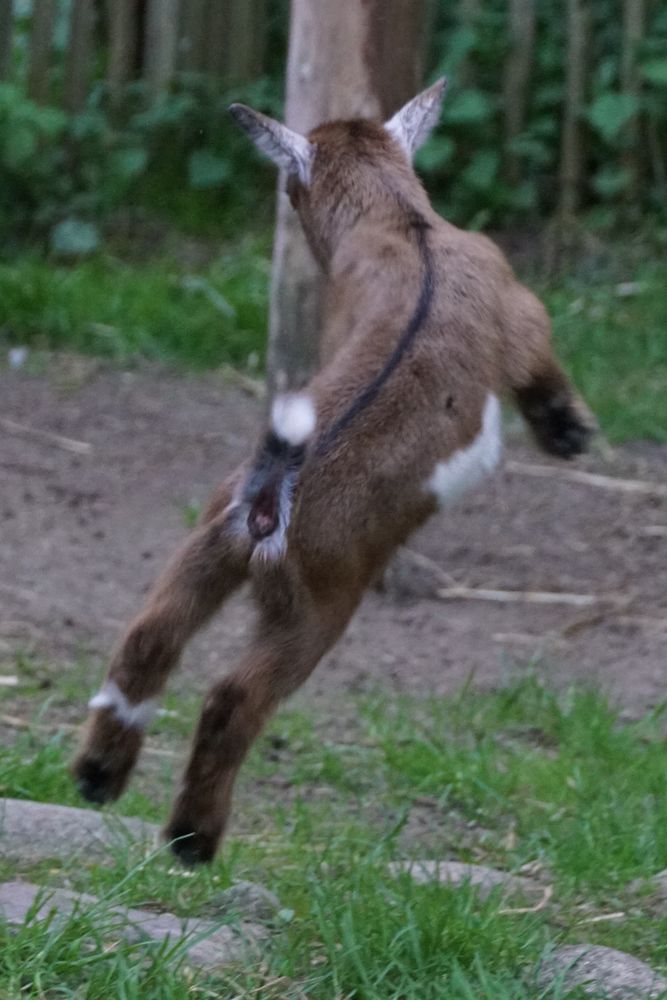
x=466 y=161
x=137 y=218
x=81 y=165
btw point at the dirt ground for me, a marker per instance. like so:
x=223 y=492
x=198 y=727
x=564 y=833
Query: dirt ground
x=83 y=535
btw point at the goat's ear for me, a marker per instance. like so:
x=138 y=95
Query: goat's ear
x=412 y=125
x=288 y=150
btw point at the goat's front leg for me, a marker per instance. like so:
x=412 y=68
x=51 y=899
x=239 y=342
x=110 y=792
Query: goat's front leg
x=210 y=566
x=234 y=713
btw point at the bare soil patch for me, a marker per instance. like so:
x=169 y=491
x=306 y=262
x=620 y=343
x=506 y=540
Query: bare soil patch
x=83 y=533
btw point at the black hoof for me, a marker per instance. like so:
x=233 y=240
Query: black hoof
x=561 y=431
x=558 y=420
x=191 y=847
x=566 y=432
x=94 y=781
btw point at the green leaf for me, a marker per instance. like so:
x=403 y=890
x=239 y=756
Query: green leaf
x=531 y=149
x=129 y=163
x=460 y=44
x=91 y=124
x=436 y=153
x=482 y=170
x=74 y=238
x=20 y=145
x=610 y=112
x=206 y=169
x=523 y=197
x=468 y=107
x=655 y=71
x=609 y=182
x=51 y=122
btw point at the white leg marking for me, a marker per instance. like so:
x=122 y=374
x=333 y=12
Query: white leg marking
x=467 y=467
x=135 y=716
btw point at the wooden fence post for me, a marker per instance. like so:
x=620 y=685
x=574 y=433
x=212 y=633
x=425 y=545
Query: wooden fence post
x=469 y=13
x=123 y=43
x=518 y=65
x=161 y=39
x=571 y=158
x=6 y=25
x=194 y=33
x=246 y=35
x=79 y=54
x=634 y=26
x=39 y=48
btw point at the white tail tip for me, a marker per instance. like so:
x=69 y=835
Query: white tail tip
x=293 y=418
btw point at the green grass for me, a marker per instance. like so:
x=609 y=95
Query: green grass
x=615 y=347
x=155 y=309
x=521 y=778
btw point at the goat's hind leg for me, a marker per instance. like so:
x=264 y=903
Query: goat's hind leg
x=236 y=709
x=212 y=563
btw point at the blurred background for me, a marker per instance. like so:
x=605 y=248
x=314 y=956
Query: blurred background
x=138 y=222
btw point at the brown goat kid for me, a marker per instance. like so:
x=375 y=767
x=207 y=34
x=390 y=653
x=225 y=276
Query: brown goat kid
x=425 y=327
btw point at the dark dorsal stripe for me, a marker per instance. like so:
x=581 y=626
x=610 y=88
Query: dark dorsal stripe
x=277 y=466
x=370 y=392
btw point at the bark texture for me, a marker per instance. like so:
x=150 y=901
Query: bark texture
x=79 y=54
x=161 y=41
x=41 y=41
x=634 y=27
x=122 y=21
x=6 y=18
x=518 y=66
x=346 y=59
x=578 y=20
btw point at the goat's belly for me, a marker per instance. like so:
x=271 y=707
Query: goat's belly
x=467 y=467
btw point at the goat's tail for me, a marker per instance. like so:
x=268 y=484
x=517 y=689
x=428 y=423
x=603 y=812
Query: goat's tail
x=269 y=486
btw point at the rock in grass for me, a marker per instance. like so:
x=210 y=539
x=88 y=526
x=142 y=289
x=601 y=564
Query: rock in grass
x=601 y=971
x=247 y=900
x=456 y=873
x=652 y=893
x=36 y=831
x=204 y=942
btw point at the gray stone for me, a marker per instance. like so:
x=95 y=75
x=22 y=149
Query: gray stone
x=652 y=893
x=455 y=873
x=211 y=945
x=602 y=972
x=35 y=831
x=248 y=900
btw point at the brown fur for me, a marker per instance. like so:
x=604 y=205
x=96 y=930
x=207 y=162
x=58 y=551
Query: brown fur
x=484 y=332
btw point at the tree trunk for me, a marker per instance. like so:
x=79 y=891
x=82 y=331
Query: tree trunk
x=245 y=40
x=634 y=24
x=79 y=54
x=346 y=59
x=6 y=25
x=217 y=37
x=40 y=45
x=194 y=31
x=398 y=48
x=518 y=66
x=160 y=46
x=469 y=12
x=122 y=19
x=634 y=18
x=571 y=157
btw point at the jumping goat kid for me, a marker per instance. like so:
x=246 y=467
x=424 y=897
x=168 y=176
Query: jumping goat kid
x=426 y=326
